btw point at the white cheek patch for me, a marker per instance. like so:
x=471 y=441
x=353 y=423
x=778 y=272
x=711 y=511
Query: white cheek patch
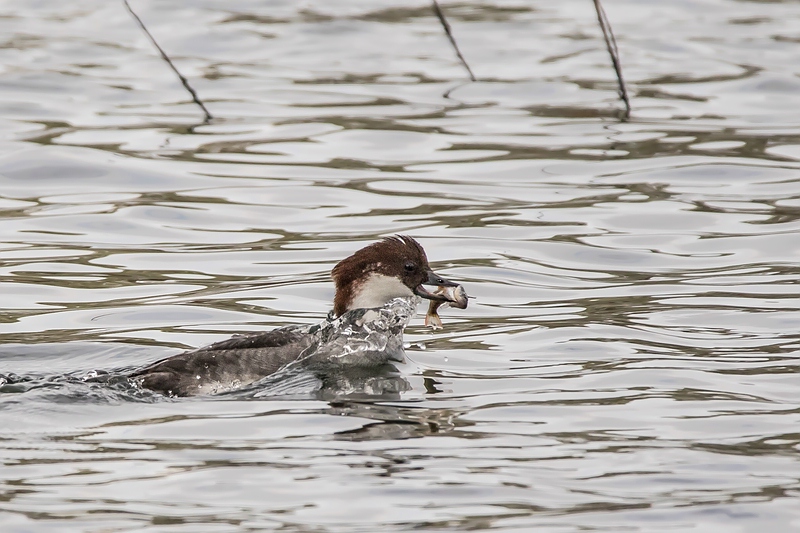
x=377 y=290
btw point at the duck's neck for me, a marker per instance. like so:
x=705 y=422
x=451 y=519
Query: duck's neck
x=375 y=290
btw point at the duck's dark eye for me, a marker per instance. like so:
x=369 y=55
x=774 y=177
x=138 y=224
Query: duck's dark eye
x=410 y=267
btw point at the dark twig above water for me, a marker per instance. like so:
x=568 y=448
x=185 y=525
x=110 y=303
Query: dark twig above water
x=611 y=45
x=448 y=31
x=166 y=58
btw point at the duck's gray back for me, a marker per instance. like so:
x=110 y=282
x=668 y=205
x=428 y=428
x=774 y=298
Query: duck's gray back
x=227 y=364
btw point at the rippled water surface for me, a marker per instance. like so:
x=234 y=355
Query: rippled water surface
x=630 y=360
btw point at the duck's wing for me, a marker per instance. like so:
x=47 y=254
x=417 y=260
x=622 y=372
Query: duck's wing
x=226 y=364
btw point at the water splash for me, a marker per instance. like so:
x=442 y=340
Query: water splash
x=349 y=356
x=361 y=337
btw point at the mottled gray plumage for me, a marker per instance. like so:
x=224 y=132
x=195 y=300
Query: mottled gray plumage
x=226 y=364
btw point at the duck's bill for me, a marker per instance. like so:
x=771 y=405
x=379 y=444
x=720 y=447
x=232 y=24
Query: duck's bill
x=447 y=291
x=425 y=293
x=436 y=280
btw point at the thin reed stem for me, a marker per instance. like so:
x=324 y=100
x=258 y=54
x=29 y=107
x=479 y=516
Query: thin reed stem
x=611 y=45
x=165 y=57
x=449 y=32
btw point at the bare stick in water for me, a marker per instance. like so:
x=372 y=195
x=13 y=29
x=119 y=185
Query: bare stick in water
x=611 y=45
x=166 y=58
x=446 y=26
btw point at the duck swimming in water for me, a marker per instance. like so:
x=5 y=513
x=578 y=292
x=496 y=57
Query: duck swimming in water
x=371 y=278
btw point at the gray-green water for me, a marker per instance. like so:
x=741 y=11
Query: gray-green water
x=631 y=359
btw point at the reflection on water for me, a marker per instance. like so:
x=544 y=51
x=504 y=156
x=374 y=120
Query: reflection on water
x=629 y=362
